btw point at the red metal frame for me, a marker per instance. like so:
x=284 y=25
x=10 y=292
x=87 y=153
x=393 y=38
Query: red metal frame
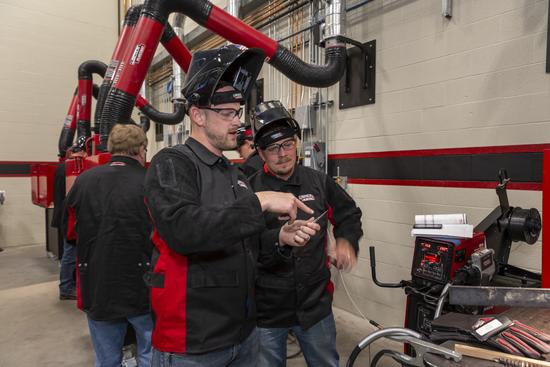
x=138 y=56
x=42 y=180
x=236 y=31
x=545 y=266
x=84 y=107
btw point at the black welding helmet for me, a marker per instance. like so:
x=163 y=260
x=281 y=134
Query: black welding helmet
x=231 y=65
x=244 y=134
x=272 y=122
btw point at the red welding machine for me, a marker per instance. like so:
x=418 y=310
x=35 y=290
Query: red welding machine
x=437 y=259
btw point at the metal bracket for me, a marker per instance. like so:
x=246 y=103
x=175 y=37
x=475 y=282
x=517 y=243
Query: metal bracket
x=358 y=90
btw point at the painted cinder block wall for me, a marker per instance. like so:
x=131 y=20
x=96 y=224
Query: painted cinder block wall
x=475 y=80
x=42 y=43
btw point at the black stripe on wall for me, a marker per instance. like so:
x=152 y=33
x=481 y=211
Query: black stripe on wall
x=521 y=167
x=15 y=169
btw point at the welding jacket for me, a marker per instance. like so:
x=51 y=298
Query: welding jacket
x=294 y=286
x=207 y=223
x=108 y=217
x=58 y=196
x=253 y=164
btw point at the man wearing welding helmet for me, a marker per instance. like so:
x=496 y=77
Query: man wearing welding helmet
x=293 y=290
x=208 y=223
x=245 y=146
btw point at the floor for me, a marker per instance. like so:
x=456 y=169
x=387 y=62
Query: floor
x=40 y=330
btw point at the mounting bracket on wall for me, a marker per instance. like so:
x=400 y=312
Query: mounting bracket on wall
x=357 y=86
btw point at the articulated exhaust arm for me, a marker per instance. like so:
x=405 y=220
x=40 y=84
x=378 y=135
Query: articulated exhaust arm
x=69 y=125
x=150 y=27
x=234 y=30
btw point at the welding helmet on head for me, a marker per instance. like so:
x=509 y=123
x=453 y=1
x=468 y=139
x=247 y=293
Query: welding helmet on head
x=230 y=65
x=244 y=134
x=272 y=122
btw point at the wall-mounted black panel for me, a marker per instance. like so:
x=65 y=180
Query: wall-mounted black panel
x=357 y=86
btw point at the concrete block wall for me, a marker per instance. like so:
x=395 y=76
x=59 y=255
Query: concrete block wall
x=475 y=80
x=42 y=43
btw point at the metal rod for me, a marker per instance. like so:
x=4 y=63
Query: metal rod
x=499 y=296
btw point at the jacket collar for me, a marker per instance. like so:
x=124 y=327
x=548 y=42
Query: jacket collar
x=293 y=180
x=204 y=154
x=124 y=159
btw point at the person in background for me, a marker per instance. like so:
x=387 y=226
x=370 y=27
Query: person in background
x=294 y=290
x=109 y=220
x=208 y=223
x=67 y=283
x=245 y=146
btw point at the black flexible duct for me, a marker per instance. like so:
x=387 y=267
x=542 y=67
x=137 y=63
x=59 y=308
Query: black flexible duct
x=87 y=68
x=130 y=20
x=144 y=122
x=173 y=118
x=85 y=72
x=118 y=106
x=117 y=109
x=67 y=132
x=198 y=10
x=319 y=76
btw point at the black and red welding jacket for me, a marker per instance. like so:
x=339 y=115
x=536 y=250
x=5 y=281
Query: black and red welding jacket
x=207 y=224
x=294 y=286
x=109 y=220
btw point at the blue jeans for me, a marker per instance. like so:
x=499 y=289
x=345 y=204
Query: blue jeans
x=108 y=340
x=240 y=355
x=66 y=274
x=318 y=344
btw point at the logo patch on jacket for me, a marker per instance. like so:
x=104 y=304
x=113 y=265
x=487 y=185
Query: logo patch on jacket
x=306 y=197
x=119 y=164
x=242 y=184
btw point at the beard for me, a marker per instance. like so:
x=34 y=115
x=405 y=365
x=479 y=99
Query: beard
x=222 y=141
x=282 y=169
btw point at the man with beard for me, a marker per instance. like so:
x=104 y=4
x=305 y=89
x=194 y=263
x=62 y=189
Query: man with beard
x=293 y=290
x=208 y=224
x=245 y=146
